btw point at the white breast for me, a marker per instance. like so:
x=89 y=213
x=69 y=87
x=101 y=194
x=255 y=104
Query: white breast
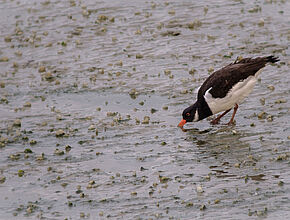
x=235 y=96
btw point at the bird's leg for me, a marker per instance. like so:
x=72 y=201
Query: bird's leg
x=216 y=121
x=231 y=122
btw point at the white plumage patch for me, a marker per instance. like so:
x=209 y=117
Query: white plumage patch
x=196 y=116
x=235 y=96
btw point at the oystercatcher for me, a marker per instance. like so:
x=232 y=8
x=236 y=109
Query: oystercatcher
x=226 y=89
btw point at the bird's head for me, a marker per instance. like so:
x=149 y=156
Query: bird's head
x=189 y=114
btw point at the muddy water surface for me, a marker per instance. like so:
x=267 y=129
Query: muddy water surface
x=91 y=93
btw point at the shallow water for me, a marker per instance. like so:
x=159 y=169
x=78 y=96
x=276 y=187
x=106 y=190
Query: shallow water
x=81 y=77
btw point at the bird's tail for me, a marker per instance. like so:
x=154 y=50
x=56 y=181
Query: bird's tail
x=272 y=59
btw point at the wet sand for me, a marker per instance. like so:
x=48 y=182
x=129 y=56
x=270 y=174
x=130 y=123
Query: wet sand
x=91 y=94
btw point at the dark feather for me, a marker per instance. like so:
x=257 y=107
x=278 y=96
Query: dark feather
x=224 y=79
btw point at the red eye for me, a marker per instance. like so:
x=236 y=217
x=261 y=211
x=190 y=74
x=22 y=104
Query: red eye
x=187 y=114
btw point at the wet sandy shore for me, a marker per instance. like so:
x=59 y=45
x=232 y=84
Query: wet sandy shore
x=91 y=94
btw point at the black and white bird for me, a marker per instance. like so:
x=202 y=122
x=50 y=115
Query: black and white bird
x=226 y=89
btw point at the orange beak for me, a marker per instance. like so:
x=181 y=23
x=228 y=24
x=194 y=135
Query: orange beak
x=182 y=123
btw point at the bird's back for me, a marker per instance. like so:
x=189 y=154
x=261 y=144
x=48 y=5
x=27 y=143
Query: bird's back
x=224 y=79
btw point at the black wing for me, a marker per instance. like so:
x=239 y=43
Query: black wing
x=224 y=79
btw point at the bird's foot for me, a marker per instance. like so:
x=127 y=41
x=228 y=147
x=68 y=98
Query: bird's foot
x=215 y=121
x=231 y=123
